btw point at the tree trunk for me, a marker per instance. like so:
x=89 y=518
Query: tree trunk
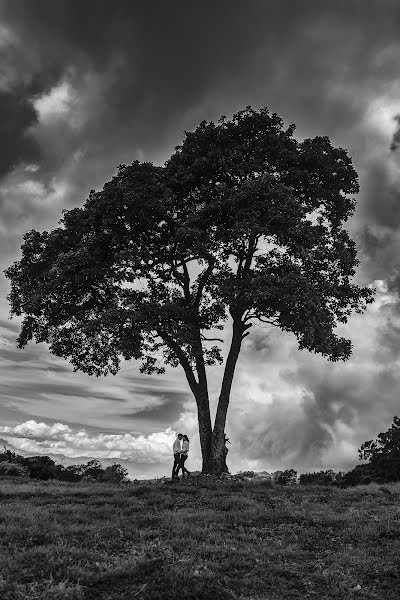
x=217 y=462
x=212 y=441
x=205 y=429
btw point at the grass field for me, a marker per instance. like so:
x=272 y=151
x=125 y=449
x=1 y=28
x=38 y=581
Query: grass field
x=205 y=539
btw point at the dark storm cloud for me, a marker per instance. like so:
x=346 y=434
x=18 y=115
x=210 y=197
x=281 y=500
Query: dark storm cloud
x=378 y=228
x=382 y=199
x=160 y=60
x=163 y=60
x=158 y=68
x=16 y=116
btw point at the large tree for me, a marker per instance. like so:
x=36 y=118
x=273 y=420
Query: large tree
x=243 y=224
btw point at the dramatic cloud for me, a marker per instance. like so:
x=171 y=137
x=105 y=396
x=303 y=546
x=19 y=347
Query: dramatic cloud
x=37 y=384
x=130 y=78
x=59 y=438
x=309 y=413
x=86 y=86
x=17 y=116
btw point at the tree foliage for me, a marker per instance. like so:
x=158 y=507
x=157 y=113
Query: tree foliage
x=243 y=222
x=287 y=477
x=383 y=454
x=13 y=469
x=328 y=477
x=40 y=467
x=114 y=474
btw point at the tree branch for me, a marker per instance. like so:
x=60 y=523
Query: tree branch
x=261 y=319
x=203 y=280
x=182 y=359
x=250 y=253
x=97 y=295
x=199 y=358
x=186 y=281
x=245 y=327
x=205 y=339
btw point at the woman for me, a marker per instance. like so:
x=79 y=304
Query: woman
x=184 y=455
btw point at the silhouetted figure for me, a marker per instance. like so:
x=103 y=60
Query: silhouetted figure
x=184 y=455
x=226 y=450
x=176 y=450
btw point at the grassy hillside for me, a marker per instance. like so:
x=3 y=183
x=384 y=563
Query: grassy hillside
x=207 y=540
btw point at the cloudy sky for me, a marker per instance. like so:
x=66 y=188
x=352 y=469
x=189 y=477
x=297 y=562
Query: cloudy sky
x=85 y=86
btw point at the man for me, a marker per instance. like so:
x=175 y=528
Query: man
x=176 y=450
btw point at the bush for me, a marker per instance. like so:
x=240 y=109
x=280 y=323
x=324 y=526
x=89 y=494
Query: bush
x=70 y=473
x=365 y=480
x=247 y=474
x=92 y=470
x=320 y=478
x=8 y=456
x=114 y=474
x=357 y=476
x=13 y=468
x=288 y=477
x=40 y=467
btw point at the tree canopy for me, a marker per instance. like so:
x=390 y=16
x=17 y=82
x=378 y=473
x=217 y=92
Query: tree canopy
x=243 y=222
x=383 y=453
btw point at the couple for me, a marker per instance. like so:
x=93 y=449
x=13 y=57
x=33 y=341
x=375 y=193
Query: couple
x=180 y=455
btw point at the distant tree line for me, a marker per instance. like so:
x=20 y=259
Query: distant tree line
x=43 y=467
x=288 y=477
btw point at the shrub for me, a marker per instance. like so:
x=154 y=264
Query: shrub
x=356 y=475
x=320 y=478
x=247 y=474
x=13 y=468
x=70 y=473
x=288 y=477
x=40 y=467
x=91 y=470
x=7 y=455
x=365 y=479
x=114 y=474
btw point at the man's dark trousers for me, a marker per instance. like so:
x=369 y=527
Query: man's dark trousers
x=177 y=461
